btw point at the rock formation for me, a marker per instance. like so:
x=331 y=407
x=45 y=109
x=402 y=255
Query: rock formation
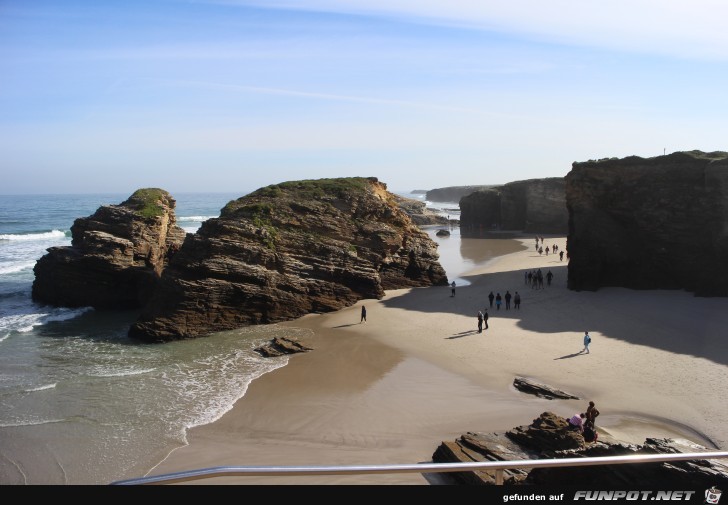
x=531 y=387
x=549 y=437
x=418 y=211
x=116 y=255
x=280 y=346
x=532 y=206
x=288 y=250
x=650 y=223
x=452 y=193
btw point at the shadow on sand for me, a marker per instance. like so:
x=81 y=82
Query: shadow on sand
x=571 y=355
x=463 y=334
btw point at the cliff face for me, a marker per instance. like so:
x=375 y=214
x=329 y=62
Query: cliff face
x=533 y=206
x=288 y=250
x=655 y=223
x=116 y=255
x=452 y=193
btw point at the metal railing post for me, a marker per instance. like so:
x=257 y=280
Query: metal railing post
x=499 y=477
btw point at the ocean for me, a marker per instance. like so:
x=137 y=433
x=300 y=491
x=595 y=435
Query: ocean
x=81 y=403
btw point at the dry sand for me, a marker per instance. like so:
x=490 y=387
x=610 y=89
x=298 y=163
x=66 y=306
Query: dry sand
x=388 y=391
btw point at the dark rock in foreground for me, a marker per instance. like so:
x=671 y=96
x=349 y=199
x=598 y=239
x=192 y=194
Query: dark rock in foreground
x=549 y=437
x=650 y=223
x=541 y=390
x=280 y=346
x=116 y=255
x=288 y=250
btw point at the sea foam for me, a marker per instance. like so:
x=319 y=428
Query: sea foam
x=53 y=234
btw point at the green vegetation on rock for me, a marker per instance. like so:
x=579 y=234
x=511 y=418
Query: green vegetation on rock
x=148 y=202
x=316 y=188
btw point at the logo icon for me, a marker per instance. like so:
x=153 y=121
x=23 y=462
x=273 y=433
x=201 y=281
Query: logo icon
x=712 y=496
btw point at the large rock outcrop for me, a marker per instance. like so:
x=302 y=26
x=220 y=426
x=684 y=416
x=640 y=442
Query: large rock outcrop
x=548 y=437
x=531 y=206
x=116 y=255
x=650 y=223
x=419 y=213
x=452 y=193
x=288 y=250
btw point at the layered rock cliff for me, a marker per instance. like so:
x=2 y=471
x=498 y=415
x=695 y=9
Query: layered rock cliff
x=532 y=206
x=650 y=223
x=287 y=250
x=452 y=193
x=116 y=255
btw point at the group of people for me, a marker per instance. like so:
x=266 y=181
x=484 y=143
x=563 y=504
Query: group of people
x=498 y=299
x=585 y=423
x=553 y=249
x=534 y=278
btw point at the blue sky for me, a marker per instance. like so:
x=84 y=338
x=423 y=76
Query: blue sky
x=234 y=95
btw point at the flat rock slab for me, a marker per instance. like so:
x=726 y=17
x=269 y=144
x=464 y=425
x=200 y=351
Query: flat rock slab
x=541 y=390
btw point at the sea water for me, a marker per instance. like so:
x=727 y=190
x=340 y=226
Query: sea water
x=81 y=403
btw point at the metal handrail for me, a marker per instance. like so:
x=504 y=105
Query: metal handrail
x=498 y=466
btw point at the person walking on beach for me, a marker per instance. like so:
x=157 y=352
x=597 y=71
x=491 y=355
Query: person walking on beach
x=508 y=300
x=491 y=296
x=561 y=255
x=549 y=276
x=480 y=322
x=485 y=318
x=452 y=289
x=363 y=314
x=517 y=301
x=587 y=341
x=498 y=300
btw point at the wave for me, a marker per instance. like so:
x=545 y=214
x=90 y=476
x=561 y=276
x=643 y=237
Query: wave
x=66 y=314
x=4 y=337
x=33 y=236
x=122 y=373
x=41 y=388
x=31 y=423
x=17 y=267
x=23 y=323
x=185 y=219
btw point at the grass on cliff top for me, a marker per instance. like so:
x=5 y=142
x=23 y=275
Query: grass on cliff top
x=147 y=202
x=304 y=189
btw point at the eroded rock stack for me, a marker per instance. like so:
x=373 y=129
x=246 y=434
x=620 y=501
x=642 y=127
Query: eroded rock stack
x=116 y=255
x=650 y=223
x=288 y=250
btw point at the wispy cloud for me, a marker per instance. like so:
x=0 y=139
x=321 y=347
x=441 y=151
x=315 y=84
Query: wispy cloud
x=312 y=95
x=694 y=29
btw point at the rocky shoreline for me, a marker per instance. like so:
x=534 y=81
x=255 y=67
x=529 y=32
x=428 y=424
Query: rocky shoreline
x=549 y=437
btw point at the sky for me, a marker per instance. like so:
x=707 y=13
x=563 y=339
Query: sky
x=218 y=96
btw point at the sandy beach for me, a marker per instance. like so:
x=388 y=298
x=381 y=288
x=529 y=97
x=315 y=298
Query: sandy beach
x=417 y=372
